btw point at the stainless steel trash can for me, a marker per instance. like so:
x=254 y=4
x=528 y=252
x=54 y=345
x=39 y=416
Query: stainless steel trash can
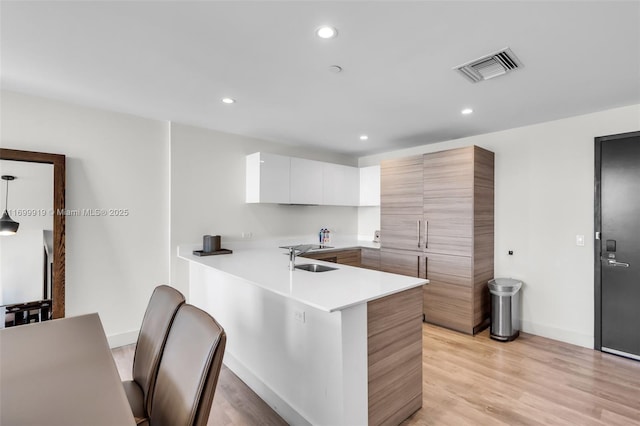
x=505 y=308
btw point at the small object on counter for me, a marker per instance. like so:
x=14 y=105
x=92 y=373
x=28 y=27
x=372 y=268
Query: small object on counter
x=211 y=246
x=324 y=236
x=212 y=253
x=210 y=243
x=207 y=243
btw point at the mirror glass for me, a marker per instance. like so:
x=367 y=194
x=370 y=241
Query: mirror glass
x=26 y=258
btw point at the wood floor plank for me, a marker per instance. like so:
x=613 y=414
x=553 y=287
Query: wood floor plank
x=473 y=380
x=530 y=381
x=234 y=403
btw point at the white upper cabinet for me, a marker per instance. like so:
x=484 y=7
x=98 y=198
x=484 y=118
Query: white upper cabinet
x=306 y=181
x=340 y=185
x=268 y=177
x=370 y=186
x=288 y=180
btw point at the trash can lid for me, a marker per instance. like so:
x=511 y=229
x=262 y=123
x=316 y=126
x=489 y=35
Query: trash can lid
x=504 y=285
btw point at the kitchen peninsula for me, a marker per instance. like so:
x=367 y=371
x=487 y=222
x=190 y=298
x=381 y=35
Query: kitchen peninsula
x=342 y=347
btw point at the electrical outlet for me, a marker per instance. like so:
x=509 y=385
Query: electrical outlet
x=247 y=235
x=299 y=315
x=580 y=240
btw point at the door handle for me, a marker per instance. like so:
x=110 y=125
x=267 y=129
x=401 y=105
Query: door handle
x=612 y=262
x=426 y=234
x=426 y=267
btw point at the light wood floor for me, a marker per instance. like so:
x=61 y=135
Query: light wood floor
x=477 y=381
x=234 y=403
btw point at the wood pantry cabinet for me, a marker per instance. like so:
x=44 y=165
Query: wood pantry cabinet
x=437 y=223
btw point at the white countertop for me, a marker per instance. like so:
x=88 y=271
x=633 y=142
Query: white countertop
x=268 y=268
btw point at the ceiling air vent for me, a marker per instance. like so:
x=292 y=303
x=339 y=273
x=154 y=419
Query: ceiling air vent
x=489 y=66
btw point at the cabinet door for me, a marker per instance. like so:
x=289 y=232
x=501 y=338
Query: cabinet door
x=267 y=178
x=400 y=262
x=349 y=257
x=306 y=181
x=448 y=298
x=370 y=258
x=400 y=231
x=401 y=186
x=448 y=225
x=448 y=173
x=370 y=186
x=341 y=185
x=401 y=207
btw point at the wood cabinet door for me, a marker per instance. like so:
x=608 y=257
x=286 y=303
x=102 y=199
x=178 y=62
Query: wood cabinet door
x=448 y=225
x=400 y=262
x=370 y=258
x=400 y=231
x=448 y=173
x=401 y=186
x=448 y=298
x=349 y=257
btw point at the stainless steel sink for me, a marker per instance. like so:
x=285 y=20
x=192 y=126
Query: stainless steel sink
x=313 y=267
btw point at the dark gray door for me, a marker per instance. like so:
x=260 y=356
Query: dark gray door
x=619 y=244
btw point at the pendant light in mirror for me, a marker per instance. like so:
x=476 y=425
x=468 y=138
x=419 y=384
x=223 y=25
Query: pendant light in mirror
x=8 y=226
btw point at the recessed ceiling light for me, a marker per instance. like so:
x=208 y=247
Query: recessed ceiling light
x=364 y=137
x=228 y=100
x=326 y=31
x=466 y=111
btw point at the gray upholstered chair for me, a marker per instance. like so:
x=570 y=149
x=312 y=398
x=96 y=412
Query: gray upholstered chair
x=188 y=371
x=161 y=310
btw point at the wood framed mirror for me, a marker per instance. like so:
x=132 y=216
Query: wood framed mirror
x=59 y=178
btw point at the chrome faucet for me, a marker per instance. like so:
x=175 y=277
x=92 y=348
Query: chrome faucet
x=296 y=250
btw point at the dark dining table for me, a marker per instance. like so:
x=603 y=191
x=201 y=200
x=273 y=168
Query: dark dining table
x=60 y=372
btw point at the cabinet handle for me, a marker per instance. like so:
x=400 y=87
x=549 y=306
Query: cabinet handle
x=426 y=234
x=418 y=233
x=426 y=268
x=418 y=265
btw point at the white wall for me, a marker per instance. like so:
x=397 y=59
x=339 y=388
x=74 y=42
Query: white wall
x=544 y=197
x=113 y=161
x=208 y=194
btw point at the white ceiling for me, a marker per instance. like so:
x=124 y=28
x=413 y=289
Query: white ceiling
x=176 y=60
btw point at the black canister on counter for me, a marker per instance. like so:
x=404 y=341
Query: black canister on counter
x=210 y=243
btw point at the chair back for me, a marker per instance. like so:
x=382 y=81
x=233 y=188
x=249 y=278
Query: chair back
x=157 y=320
x=189 y=370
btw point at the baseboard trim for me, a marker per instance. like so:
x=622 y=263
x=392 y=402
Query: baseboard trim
x=123 y=339
x=560 y=334
x=621 y=353
x=279 y=405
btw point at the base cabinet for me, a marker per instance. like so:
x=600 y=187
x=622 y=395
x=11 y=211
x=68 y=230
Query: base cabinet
x=401 y=262
x=349 y=257
x=450 y=241
x=370 y=258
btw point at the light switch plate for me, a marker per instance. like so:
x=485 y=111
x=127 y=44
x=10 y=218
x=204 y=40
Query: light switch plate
x=580 y=240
